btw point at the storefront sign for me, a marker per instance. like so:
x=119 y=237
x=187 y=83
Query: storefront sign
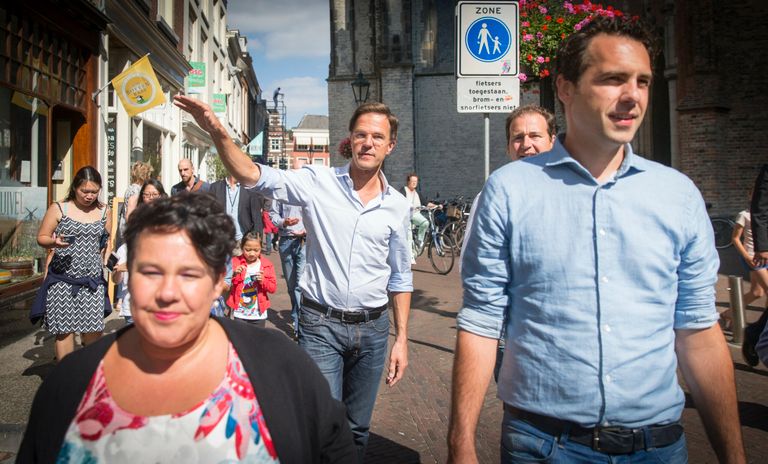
x=23 y=203
x=219 y=103
x=196 y=77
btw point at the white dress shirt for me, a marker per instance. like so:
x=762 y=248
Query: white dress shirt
x=355 y=253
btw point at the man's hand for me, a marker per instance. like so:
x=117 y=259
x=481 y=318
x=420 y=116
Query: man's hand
x=398 y=361
x=707 y=368
x=201 y=112
x=472 y=369
x=290 y=221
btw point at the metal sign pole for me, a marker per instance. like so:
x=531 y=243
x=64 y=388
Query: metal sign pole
x=487 y=151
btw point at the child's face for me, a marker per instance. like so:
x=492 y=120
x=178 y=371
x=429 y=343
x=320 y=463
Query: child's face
x=252 y=250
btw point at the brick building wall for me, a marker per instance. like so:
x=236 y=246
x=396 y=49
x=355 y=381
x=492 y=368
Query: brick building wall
x=722 y=100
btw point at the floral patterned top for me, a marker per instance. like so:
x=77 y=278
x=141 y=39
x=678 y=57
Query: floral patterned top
x=227 y=427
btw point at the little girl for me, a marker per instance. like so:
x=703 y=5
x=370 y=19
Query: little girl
x=253 y=276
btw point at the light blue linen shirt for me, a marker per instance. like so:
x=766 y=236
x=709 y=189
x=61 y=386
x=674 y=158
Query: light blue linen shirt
x=355 y=253
x=594 y=278
x=277 y=214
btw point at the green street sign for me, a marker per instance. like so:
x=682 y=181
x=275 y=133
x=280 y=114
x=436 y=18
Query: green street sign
x=219 y=103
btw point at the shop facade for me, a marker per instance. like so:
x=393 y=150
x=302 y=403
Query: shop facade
x=49 y=124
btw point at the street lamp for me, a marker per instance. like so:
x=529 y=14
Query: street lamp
x=360 y=88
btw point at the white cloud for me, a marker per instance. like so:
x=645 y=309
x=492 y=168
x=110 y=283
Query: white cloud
x=289 y=28
x=302 y=95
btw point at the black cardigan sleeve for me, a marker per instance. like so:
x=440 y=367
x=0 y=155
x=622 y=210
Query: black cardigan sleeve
x=306 y=424
x=56 y=402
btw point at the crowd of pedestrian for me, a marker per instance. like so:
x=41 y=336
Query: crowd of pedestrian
x=588 y=269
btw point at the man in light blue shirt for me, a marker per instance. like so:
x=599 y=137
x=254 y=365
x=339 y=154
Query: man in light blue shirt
x=287 y=218
x=357 y=252
x=605 y=265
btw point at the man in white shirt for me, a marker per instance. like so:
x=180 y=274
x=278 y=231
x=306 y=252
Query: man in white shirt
x=357 y=252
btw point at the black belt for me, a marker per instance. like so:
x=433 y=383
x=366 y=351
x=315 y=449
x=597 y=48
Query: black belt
x=351 y=316
x=609 y=440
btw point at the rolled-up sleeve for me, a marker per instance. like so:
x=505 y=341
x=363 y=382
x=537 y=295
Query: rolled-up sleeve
x=697 y=272
x=485 y=270
x=399 y=257
x=292 y=187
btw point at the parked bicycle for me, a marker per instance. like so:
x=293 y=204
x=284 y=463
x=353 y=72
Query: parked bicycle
x=723 y=228
x=457 y=214
x=441 y=249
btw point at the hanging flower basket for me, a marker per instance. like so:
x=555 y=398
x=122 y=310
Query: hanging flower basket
x=545 y=24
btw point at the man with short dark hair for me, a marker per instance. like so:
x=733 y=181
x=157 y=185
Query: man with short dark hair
x=604 y=263
x=189 y=181
x=357 y=252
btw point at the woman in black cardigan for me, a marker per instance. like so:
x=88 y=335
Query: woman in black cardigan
x=179 y=385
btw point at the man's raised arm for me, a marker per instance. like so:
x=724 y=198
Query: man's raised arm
x=236 y=162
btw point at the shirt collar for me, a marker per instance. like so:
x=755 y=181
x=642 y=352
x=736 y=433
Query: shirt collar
x=631 y=162
x=342 y=173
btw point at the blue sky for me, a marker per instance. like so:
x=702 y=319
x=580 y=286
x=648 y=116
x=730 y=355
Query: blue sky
x=290 y=44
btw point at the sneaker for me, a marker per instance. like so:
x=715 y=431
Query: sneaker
x=751 y=336
x=748 y=351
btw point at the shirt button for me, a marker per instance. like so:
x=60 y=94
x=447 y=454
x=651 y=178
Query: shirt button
x=602 y=232
x=608 y=378
x=604 y=279
x=607 y=328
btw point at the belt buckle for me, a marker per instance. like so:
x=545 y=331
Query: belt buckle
x=351 y=314
x=596 y=439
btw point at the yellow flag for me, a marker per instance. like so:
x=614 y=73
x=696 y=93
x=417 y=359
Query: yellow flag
x=138 y=87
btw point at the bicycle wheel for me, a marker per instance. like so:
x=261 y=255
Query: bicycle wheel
x=417 y=250
x=442 y=253
x=723 y=230
x=455 y=230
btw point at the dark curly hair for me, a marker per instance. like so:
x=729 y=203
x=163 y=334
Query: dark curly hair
x=572 y=59
x=198 y=214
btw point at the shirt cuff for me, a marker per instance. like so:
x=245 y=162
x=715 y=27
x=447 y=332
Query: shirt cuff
x=400 y=282
x=701 y=318
x=479 y=323
x=267 y=177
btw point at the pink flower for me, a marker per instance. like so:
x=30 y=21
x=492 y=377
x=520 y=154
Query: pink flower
x=522 y=77
x=542 y=9
x=569 y=7
x=539 y=35
x=527 y=37
x=525 y=24
x=540 y=59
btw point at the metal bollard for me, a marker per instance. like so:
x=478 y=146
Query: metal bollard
x=737 y=308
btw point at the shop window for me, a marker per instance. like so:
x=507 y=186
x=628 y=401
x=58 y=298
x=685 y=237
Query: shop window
x=33 y=59
x=23 y=180
x=153 y=147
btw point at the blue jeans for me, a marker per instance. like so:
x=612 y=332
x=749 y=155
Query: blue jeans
x=292 y=259
x=351 y=357
x=521 y=442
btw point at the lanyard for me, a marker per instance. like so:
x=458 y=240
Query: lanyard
x=232 y=199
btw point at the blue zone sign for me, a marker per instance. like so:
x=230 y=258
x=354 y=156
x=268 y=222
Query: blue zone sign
x=487 y=39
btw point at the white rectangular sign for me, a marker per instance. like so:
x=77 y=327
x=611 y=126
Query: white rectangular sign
x=487 y=94
x=487 y=39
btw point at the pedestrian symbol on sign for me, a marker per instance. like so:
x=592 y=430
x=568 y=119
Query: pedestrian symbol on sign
x=484 y=32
